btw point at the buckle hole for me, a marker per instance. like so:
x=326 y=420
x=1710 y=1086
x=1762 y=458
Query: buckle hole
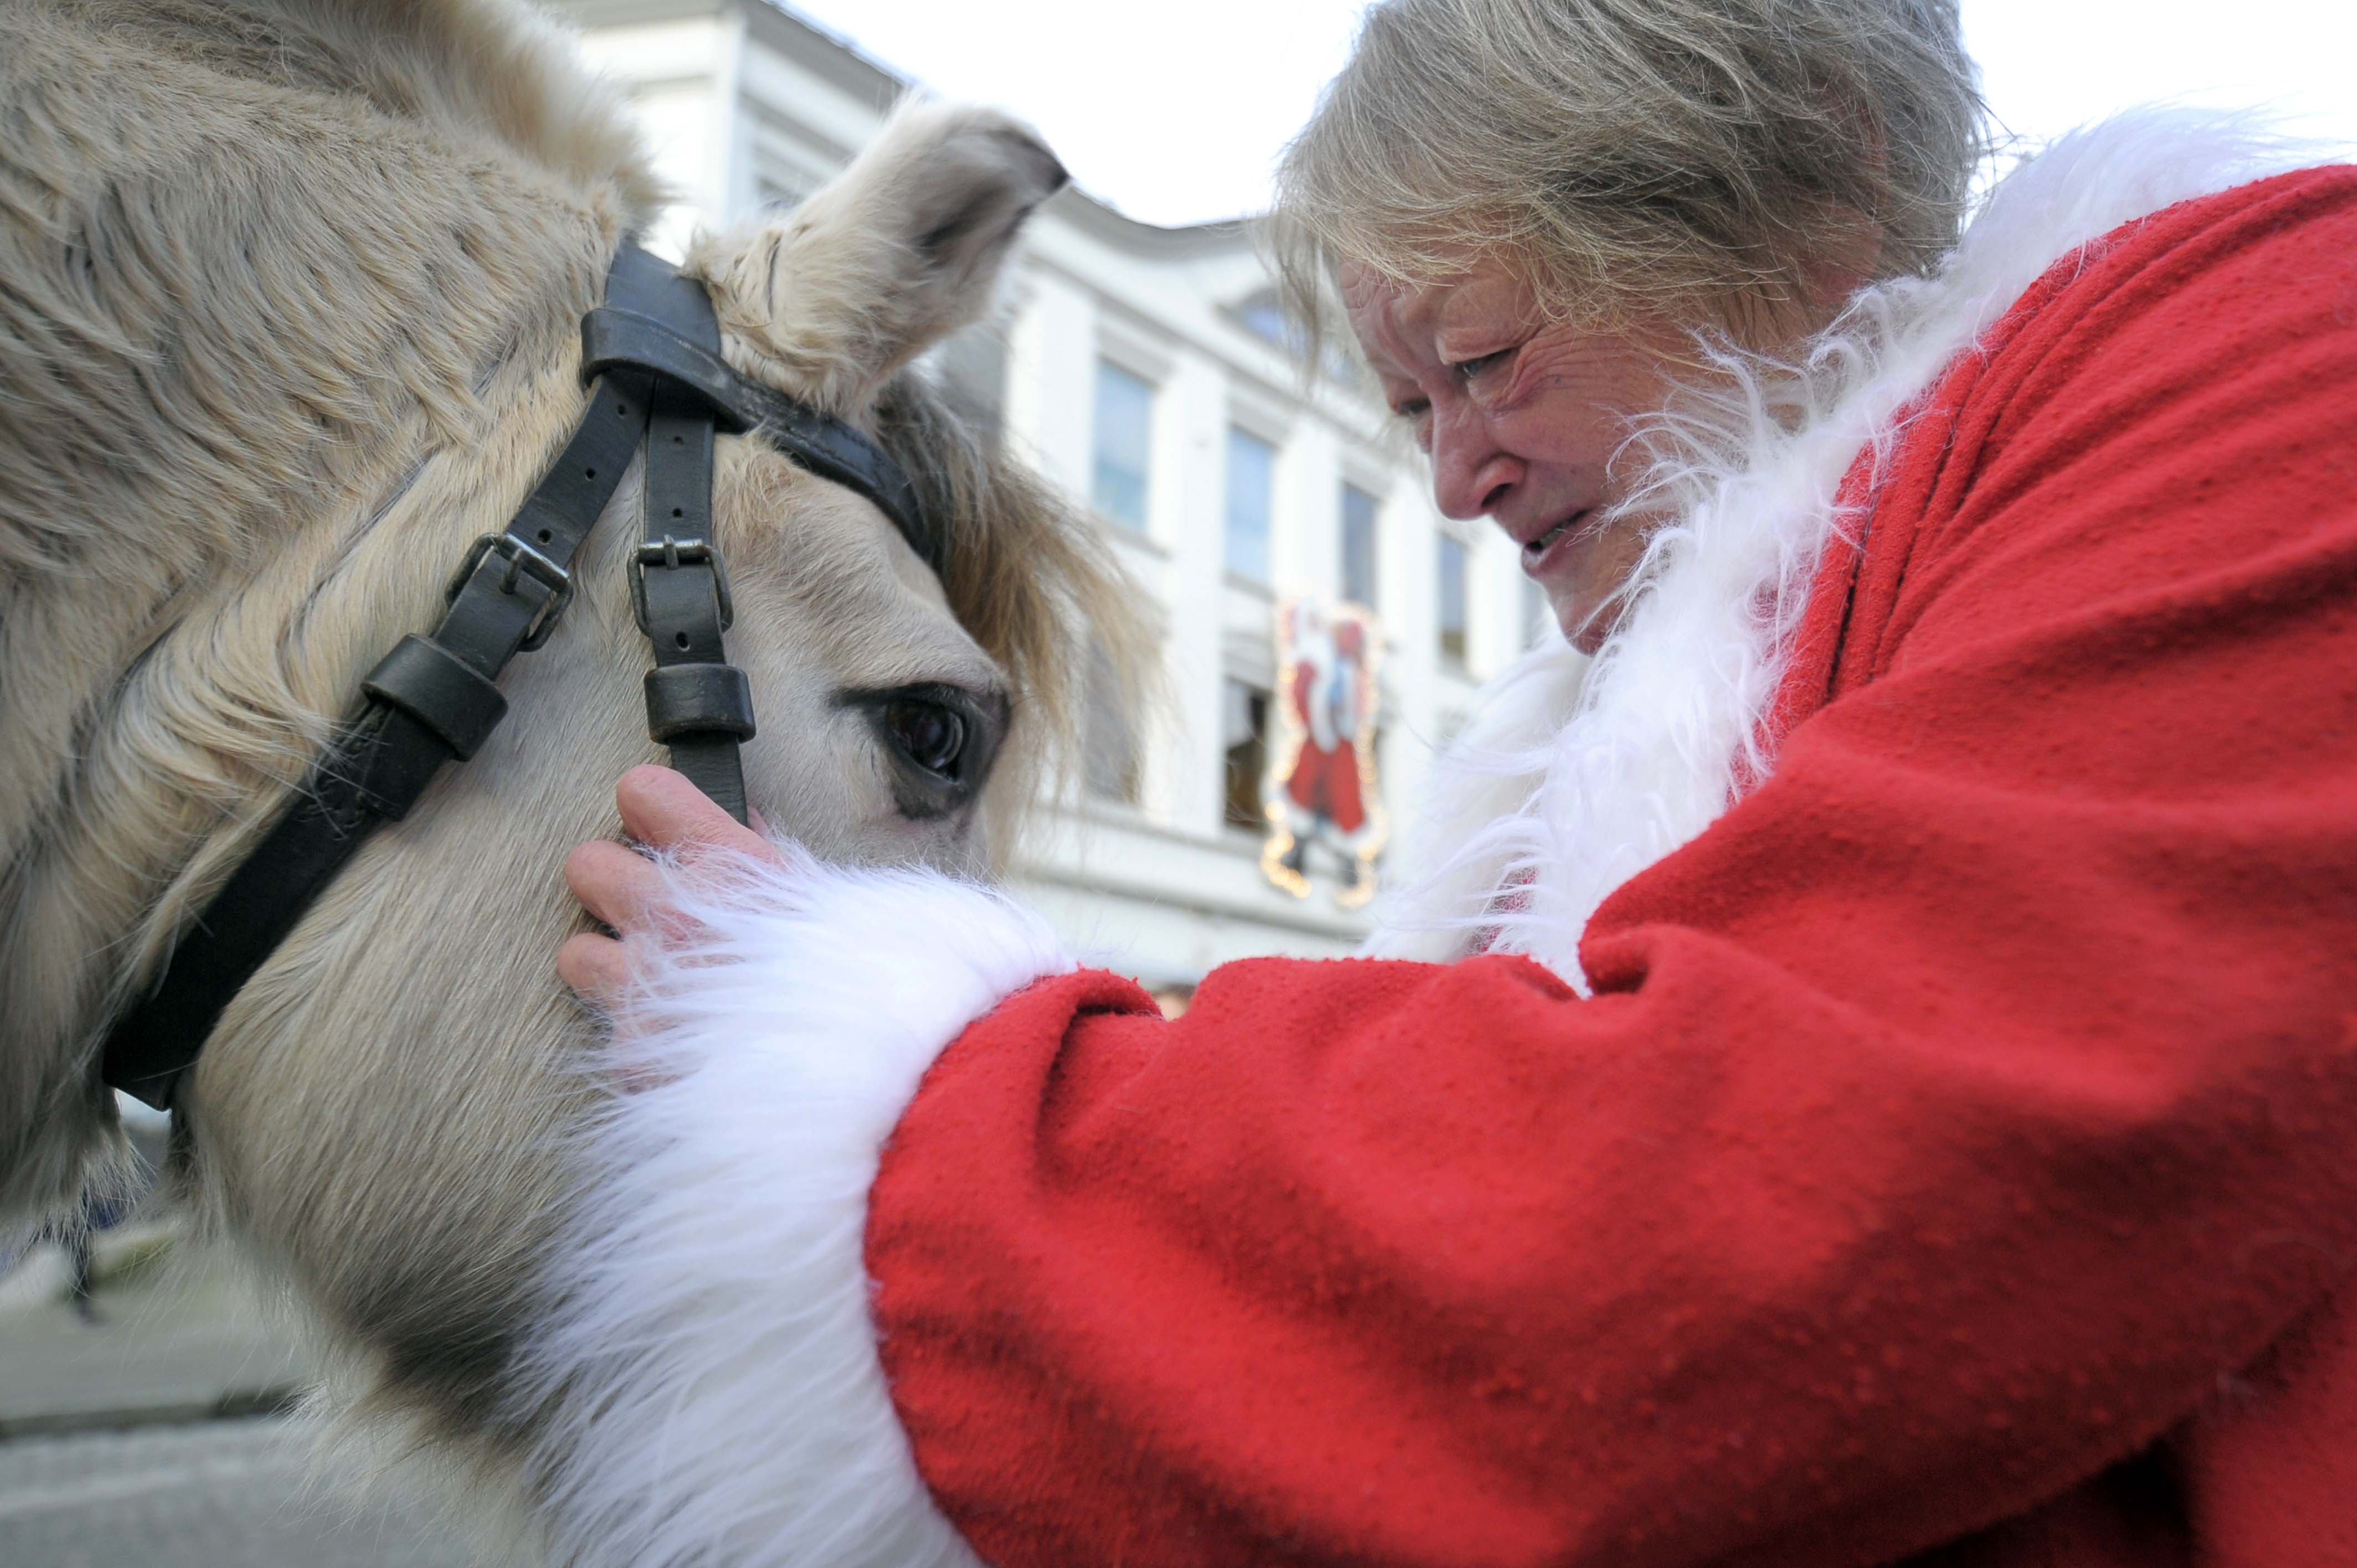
x=680 y=638
x=546 y=536
x=588 y=473
x=678 y=511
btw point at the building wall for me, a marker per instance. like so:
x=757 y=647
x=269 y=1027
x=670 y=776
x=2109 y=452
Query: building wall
x=747 y=107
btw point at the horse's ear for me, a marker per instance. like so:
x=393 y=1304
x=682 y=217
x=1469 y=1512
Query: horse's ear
x=902 y=247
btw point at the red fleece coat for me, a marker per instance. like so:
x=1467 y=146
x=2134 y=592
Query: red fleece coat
x=1957 y=1162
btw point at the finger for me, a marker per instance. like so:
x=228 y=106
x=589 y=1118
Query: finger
x=596 y=967
x=661 y=808
x=616 y=884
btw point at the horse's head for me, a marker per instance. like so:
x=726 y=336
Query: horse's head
x=886 y=694
x=290 y=320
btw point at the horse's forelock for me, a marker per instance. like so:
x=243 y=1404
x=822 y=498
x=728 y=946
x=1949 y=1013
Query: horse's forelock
x=1029 y=575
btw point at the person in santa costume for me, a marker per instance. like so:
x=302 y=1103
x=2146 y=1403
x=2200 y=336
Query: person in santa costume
x=1866 y=1070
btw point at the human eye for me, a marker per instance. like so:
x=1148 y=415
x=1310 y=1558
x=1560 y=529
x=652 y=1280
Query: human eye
x=1472 y=369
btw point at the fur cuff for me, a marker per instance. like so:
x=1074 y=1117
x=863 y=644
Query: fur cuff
x=710 y=1363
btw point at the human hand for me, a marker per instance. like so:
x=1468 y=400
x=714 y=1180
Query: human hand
x=618 y=884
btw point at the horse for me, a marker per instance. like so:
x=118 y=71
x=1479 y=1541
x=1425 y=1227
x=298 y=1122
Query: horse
x=289 y=295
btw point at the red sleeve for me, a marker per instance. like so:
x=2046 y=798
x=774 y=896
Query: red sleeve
x=1950 y=1117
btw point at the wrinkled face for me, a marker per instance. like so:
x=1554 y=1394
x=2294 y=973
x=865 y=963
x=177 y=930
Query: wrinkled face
x=1525 y=423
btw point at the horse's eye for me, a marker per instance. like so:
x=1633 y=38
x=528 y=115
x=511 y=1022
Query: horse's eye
x=940 y=739
x=928 y=735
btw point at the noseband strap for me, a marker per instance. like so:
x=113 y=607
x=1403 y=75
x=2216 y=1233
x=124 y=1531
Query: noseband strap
x=655 y=352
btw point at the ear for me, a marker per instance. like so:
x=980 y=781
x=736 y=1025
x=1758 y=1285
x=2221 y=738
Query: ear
x=901 y=249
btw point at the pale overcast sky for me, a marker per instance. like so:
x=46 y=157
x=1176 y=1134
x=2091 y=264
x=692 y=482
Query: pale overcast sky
x=1175 y=113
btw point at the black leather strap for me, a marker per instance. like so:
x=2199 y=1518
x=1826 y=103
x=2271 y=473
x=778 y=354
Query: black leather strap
x=679 y=587
x=428 y=701
x=654 y=349
x=680 y=590
x=834 y=451
x=440 y=690
x=613 y=335
x=616 y=335
x=686 y=699
x=418 y=713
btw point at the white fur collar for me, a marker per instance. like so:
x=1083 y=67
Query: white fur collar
x=704 y=1384
x=1575 y=775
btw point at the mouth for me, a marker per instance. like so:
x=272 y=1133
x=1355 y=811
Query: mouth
x=1538 y=549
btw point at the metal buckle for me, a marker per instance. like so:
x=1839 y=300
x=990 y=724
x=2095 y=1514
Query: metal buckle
x=673 y=552
x=524 y=561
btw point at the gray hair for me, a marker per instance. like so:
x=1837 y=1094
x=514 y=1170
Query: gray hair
x=1691 y=161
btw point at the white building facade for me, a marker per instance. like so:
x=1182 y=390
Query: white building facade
x=1143 y=370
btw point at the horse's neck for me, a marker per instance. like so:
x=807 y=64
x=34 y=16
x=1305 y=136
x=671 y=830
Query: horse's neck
x=241 y=454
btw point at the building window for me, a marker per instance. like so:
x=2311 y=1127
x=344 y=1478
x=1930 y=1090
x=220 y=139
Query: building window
x=1251 y=489
x=1246 y=722
x=1123 y=437
x=1357 y=546
x=1265 y=316
x=1109 y=738
x=1261 y=316
x=1452 y=598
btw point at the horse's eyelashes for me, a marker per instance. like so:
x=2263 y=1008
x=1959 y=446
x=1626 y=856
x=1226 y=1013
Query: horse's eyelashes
x=944 y=739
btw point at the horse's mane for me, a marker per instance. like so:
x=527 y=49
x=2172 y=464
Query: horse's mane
x=250 y=259
x=1028 y=576
x=281 y=222
x=257 y=262
x=266 y=267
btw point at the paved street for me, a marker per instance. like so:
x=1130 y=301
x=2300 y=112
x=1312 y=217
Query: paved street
x=180 y=1337
x=135 y=1442
x=216 y=1494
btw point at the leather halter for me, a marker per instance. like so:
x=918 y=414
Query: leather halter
x=654 y=350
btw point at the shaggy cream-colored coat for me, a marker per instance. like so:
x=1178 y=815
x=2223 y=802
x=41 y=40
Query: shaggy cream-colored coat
x=289 y=295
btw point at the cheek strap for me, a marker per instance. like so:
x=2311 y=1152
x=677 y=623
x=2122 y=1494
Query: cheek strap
x=698 y=705
x=652 y=353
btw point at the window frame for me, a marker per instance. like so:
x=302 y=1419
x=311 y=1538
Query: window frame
x=1458 y=655
x=1238 y=432
x=1374 y=546
x=1111 y=365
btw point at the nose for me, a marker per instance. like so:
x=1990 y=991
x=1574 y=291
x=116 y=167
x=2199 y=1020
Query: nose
x=1471 y=473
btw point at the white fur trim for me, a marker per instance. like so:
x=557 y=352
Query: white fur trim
x=711 y=1364
x=1574 y=777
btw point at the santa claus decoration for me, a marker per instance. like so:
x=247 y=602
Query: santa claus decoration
x=1321 y=788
